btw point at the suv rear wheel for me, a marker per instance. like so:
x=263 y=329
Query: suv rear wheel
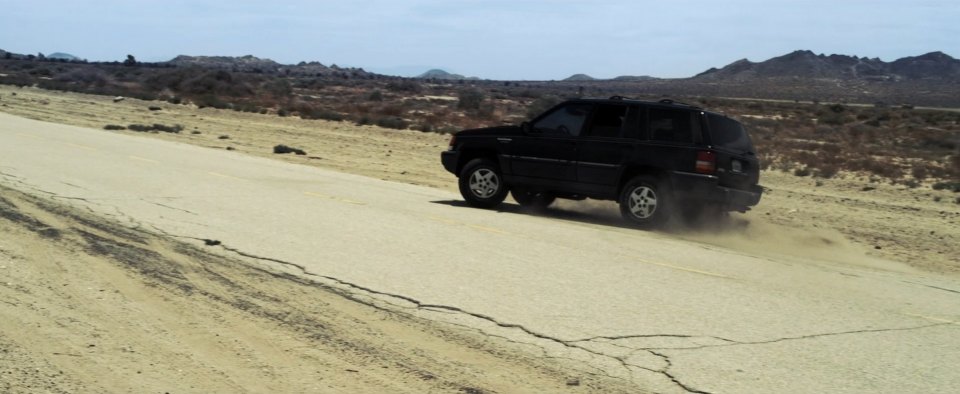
x=645 y=201
x=481 y=184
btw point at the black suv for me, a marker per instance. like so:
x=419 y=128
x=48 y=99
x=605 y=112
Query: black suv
x=654 y=158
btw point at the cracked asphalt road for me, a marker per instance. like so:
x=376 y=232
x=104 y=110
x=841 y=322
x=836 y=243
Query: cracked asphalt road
x=668 y=314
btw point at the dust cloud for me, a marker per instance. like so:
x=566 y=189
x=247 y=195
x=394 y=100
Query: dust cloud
x=746 y=233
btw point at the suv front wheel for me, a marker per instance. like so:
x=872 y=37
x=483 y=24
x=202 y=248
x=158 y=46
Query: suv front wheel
x=645 y=202
x=481 y=184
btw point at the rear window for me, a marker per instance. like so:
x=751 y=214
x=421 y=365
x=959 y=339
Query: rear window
x=670 y=125
x=728 y=133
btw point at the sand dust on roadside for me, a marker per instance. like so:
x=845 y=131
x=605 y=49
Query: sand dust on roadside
x=88 y=305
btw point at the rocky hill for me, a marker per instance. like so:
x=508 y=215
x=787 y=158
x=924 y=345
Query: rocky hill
x=64 y=56
x=242 y=63
x=579 y=77
x=254 y=64
x=444 y=75
x=634 y=78
x=806 y=64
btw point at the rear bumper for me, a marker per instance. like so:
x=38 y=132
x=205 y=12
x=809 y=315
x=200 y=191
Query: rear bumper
x=449 y=158
x=706 y=188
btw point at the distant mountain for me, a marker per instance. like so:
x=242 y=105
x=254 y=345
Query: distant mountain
x=10 y=55
x=633 y=78
x=806 y=65
x=441 y=74
x=579 y=78
x=254 y=64
x=242 y=63
x=622 y=78
x=65 y=56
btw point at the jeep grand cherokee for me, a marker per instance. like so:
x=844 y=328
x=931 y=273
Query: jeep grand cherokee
x=655 y=158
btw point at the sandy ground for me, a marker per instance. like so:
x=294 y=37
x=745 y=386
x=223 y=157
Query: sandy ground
x=83 y=299
x=88 y=305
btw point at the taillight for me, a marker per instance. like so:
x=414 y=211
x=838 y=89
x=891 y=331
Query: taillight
x=706 y=162
x=453 y=141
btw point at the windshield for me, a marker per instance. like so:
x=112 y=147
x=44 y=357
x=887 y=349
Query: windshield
x=728 y=133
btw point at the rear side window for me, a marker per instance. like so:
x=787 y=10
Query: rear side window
x=566 y=120
x=607 y=121
x=670 y=125
x=728 y=133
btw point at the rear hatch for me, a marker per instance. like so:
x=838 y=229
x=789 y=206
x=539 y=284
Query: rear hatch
x=737 y=164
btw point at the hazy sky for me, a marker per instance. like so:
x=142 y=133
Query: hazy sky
x=495 y=39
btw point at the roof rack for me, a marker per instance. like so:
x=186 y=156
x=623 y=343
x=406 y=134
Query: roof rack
x=672 y=102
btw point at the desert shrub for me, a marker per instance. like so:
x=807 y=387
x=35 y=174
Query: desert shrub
x=802 y=171
x=952 y=186
x=324 y=114
x=919 y=172
x=140 y=127
x=405 y=86
x=85 y=75
x=223 y=137
x=279 y=88
x=154 y=108
x=155 y=128
x=364 y=120
x=470 y=99
x=393 y=122
x=835 y=118
x=827 y=170
x=283 y=149
x=211 y=100
x=911 y=183
x=391 y=110
x=114 y=127
x=375 y=95
x=168 y=129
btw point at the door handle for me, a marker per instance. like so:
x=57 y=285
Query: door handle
x=504 y=140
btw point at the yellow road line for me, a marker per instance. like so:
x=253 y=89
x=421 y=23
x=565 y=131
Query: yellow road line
x=81 y=146
x=487 y=229
x=224 y=176
x=696 y=271
x=144 y=159
x=931 y=318
x=30 y=136
x=473 y=226
x=334 y=198
x=443 y=220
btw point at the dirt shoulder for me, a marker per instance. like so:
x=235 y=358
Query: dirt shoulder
x=88 y=305
x=920 y=227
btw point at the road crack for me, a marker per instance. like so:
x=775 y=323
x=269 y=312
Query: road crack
x=420 y=305
x=168 y=206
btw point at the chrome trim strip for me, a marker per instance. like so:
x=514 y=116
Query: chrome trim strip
x=695 y=175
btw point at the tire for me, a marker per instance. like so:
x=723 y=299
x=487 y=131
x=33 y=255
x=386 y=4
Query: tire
x=645 y=202
x=481 y=184
x=531 y=199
